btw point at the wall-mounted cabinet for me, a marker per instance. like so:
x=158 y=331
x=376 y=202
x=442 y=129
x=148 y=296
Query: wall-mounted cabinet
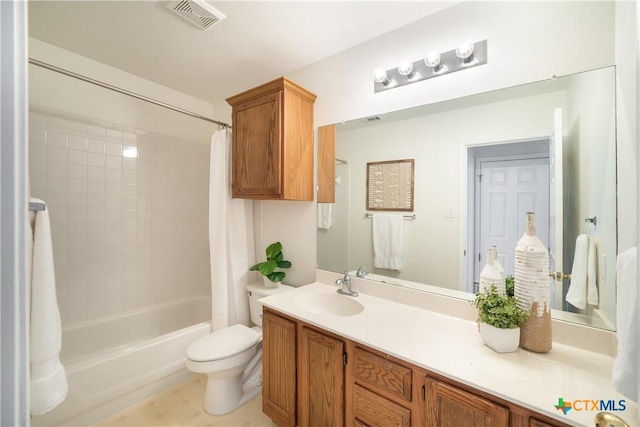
x=341 y=382
x=272 y=149
x=327 y=164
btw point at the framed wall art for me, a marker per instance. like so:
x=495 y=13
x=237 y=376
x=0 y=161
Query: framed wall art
x=390 y=185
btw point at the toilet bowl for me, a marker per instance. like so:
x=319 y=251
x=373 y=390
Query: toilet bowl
x=232 y=358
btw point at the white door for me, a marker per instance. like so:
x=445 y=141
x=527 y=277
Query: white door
x=556 y=207
x=508 y=189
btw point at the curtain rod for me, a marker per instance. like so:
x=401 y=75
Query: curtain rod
x=122 y=91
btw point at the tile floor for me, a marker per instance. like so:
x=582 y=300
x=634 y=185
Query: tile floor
x=181 y=406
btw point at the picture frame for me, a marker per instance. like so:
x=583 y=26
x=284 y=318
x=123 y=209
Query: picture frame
x=390 y=185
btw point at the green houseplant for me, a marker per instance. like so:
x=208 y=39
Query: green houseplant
x=499 y=319
x=275 y=259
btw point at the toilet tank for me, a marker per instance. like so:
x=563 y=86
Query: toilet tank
x=257 y=291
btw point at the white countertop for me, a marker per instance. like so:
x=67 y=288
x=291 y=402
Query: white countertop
x=452 y=347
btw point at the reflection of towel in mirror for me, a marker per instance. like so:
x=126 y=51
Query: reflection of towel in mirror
x=583 y=273
x=625 y=365
x=387 y=241
x=324 y=215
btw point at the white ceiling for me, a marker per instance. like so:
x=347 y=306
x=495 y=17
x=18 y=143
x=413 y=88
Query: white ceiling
x=257 y=42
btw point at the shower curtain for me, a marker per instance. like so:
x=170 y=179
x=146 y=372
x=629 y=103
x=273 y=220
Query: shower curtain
x=231 y=242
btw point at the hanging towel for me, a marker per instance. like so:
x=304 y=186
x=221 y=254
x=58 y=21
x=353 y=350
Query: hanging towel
x=577 y=294
x=592 y=273
x=387 y=241
x=48 y=377
x=324 y=215
x=625 y=365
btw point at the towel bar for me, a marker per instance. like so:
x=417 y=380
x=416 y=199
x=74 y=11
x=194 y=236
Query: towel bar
x=369 y=215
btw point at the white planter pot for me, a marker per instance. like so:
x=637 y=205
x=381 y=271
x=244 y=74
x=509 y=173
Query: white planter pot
x=500 y=340
x=268 y=283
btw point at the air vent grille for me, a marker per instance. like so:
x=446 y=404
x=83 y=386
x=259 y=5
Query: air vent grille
x=197 y=12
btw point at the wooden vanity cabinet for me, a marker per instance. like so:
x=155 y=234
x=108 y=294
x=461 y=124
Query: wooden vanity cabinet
x=321 y=360
x=312 y=377
x=450 y=406
x=279 y=369
x=272 y=142
x=381 y=390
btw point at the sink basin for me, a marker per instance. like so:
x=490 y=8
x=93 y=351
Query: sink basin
x=326 y=303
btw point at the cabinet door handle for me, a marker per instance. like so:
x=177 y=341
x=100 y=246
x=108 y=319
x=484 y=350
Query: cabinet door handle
x=424 y=392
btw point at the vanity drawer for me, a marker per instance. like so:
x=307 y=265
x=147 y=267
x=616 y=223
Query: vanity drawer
x=383 y=374
x=373 y=410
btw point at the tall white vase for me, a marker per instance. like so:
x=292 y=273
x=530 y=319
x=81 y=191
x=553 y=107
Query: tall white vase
x=496 y=262
x=490 y=275
x=533 y=290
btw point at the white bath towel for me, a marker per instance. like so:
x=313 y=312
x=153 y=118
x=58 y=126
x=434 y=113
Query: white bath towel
x=387 y=241
x=48 y=377
x=324 y=215
x=592 y=273
x=577 y=294
x=625 y=366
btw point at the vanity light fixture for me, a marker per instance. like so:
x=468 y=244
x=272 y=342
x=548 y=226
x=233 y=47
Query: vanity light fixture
x=467 y=55
x=380 y=76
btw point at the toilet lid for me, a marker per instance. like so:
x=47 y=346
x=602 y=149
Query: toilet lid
x=223 y=343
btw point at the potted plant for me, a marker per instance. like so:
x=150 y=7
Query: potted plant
x=275 y=259
x=499 y=318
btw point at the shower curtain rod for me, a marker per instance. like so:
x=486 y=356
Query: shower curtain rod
x=122 y=91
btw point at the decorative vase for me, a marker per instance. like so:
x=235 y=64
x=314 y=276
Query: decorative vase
x=268 y=283
x=496 y=262
x=490 y=275
x=500 y=340
x=533 y=290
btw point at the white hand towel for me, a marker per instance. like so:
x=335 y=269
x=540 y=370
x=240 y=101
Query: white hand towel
x=577 y=294
x=625 y=366
x=592 y=273
x=48 y=377
x=387 y=241
x=324 y=215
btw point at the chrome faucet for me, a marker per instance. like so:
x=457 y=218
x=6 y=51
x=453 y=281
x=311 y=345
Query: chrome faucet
x=362 y=271
x=345 y=282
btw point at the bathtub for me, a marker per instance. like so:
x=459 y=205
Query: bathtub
x=117 y=361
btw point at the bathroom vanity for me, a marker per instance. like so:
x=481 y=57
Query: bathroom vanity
x=364 y=361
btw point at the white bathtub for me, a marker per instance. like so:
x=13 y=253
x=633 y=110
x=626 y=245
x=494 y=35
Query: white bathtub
x=117 y=361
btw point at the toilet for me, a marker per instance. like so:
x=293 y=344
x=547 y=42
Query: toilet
x=232 y=358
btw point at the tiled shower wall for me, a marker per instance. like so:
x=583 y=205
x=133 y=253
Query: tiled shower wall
x=128 y=210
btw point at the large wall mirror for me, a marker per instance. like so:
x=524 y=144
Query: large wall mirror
x=480 y=163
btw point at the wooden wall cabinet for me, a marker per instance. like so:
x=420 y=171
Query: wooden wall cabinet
x=272 y=142
x=327 y=164
x=313 y=377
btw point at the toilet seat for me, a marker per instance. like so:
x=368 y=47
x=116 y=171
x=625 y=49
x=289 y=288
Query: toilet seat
x=223 y=343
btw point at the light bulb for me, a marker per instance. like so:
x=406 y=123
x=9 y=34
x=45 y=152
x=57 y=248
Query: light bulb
x=406 y=68
x=433 y=59
x=380 y=76
x=465 y=51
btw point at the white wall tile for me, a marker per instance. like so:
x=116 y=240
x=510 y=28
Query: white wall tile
x=37 y=136
x=57 y=139
x=78 y=142
x=107 y=210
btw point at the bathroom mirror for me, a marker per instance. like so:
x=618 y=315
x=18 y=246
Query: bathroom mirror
x=555 y=138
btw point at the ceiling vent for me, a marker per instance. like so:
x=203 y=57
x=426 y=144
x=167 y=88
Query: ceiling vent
x=198 y=12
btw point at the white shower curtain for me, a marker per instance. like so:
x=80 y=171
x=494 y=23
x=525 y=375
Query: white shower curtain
x=231 y=242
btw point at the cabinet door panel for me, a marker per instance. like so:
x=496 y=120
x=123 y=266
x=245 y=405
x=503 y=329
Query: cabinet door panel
x=321 y=386
x=383 y=374
x=279 y=369
x=257 y=150
x=449 y=406
x=376 y=411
